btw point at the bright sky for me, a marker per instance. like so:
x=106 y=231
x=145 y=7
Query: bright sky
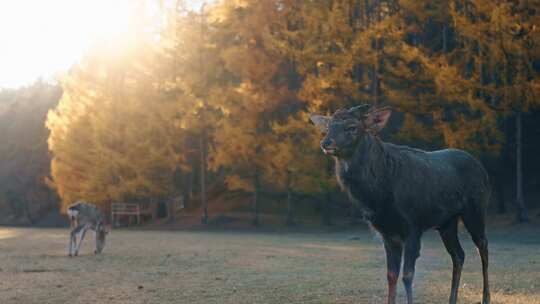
x=41 y=38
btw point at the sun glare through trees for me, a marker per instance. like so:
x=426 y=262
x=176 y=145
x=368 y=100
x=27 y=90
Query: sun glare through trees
x=45 y=38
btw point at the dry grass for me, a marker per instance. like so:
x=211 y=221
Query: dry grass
x=234 y=267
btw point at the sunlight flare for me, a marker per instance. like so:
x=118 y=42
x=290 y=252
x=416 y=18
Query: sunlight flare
x=41 y=38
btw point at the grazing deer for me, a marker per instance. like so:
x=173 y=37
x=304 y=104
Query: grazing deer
x=404 y=191
x=84 y=216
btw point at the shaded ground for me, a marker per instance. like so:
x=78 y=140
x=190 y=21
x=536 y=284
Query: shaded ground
x=247 y=267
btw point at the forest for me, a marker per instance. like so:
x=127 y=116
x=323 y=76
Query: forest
x=214 y=103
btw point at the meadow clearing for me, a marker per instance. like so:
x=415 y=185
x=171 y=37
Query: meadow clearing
x=140 y=266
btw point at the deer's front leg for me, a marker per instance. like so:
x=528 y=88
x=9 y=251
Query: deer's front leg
x=83 y=233
x=73 y=239
x=394 y=249
x=412 y=252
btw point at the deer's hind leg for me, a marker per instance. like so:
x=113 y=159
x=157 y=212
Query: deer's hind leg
x=474 y=221
x=72 y=241
x=449 y=236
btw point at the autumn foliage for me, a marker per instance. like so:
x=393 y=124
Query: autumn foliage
x=231 y=87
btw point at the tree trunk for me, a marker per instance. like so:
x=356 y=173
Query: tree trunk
x=203 y=139
x=28 y=213
x=521 y=215
x=499 y=191
x=204 y=217
x=326 y=210
x=171 y=210
x=354 y=214
x=375 y=66
x=445 y=39
x=193 y=177
x=255 y=203
x=186 y=189
x=290 y=208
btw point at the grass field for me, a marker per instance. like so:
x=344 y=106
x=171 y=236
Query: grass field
x=252 y=267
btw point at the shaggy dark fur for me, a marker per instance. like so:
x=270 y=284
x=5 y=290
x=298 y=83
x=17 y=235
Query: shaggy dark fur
x=404 y=192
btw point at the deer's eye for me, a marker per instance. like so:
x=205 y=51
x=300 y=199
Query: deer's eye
x=351 y=129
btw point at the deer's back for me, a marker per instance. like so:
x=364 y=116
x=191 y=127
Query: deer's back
x=432 y=187
x=85 y=213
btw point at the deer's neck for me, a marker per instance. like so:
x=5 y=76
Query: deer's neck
x=368 y=160
x=364 y=176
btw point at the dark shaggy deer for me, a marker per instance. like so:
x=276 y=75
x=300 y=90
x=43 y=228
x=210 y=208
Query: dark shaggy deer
x=404 y=192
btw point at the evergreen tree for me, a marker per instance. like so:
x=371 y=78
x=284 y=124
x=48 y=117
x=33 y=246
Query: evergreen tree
x=502 y=41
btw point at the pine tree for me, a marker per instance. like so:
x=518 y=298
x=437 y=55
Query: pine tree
x=113 y=136
x=250 y=100
x=296 y=164
x=502 y=38
x=193 y=75
x=24 y=161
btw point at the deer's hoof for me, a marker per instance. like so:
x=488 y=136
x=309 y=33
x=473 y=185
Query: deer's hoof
x=76 y=254
x=70 y=255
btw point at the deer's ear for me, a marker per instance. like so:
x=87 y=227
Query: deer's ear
x=320 y=121
x=377 y=119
